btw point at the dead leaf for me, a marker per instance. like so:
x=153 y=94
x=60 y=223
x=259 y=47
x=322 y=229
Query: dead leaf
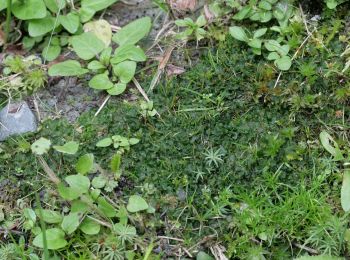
x=218 y=252
x=174 y=70
x=182 y=5
x=102 y=29
x=208 y=14
x=2 y=38
x=163 y=62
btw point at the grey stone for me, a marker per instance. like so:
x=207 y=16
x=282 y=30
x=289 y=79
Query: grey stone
x=15 y=119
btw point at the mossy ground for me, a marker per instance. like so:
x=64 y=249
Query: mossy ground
x=230 y=160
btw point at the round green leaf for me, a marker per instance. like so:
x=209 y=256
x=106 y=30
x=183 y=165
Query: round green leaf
x=29 y=9
x=97 y=5
x=40 y=27
x=100 y=81
x=68 y=148
x=106 y=207
x=70 y=223
x=128 y=52
x=70 y=22
x=136 y=203
x=283 y=63
x=117 y=89
x=78 y=182
x=90 y=227
x=67 y=68
x=87 y=45
x=85 y=164
x=238 y=33
x=55 y=239
x=203 y=256
x=99 y=182
x=125 y=71
x=51 y=52
x=133 y=32
x=51 y=217
x=55 y=5
x=105 y=142
x=41 y=146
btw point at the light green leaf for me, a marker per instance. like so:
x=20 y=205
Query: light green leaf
x=86 y=14
x=68 y=193
x=67 y=68
x=106 y=207
x=51 y=217
x=134 y=141
x=95 y=65
x=238 y=33
x=99 y=182
x=78 y=206
x=133 y=32
x=332 y=4
x=79 y=183
x=334 y=150
x=116 y=162
x=41 y=27
x=85 y=164
x=104 y=142
x=125 y=71
x=70 y=22
x=201 y=21
x=255 y=43
x=265 y=5
x=136 y=203
x=55 y=239
x=284 y=63
x=68 y=148
x=87 y=45
x=97 y=5
x=117 y=89
x=345 y=191
x=203 y=256
x=260 y=32
x=70 y=223
x=3 y=5
x=102 y=30
x=273 y=56
x=272 y=45
x=265 y=16
x=128 y=52
x=55 y=5
x=243 y=13
x=90 y=227
x=52 y=52
x=41 y=146
x=100 y=81
x=29 y=9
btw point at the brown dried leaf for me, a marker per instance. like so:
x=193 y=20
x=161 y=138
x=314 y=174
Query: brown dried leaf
x=182 y=5
x=208 y=14
x=2 y=38
x=174 y=70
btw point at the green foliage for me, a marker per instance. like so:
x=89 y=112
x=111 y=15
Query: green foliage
x=112 y=71
x=22 y=76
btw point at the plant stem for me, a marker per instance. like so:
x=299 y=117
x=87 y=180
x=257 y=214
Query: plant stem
x=8 y=20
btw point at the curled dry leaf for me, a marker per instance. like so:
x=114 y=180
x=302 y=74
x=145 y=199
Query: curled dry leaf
x=208 y=14
x=2 y=38
x=174 y=70
x=182 y=5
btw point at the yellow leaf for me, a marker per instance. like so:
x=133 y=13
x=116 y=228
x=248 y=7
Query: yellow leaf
x=102 y=29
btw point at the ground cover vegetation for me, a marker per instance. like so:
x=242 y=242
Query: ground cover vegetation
x=243 y=156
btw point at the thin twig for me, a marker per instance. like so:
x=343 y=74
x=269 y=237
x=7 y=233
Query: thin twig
x=140 y=89
x=171 y=238
x=103 y=104
x=306 y=248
